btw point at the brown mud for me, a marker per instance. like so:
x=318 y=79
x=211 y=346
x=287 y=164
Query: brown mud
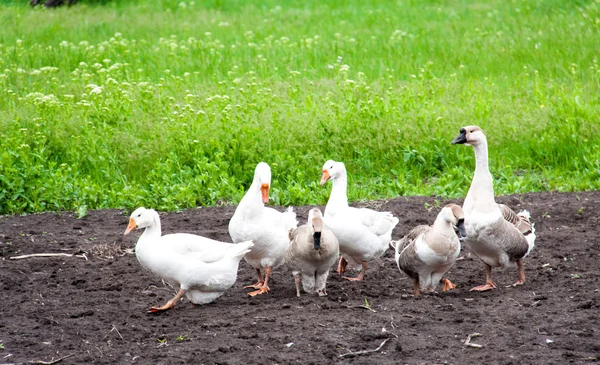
x=94 y=309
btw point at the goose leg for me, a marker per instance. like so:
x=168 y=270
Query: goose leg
x=521 y=279
x=362 y=273
x=342 y=265
x=264 y=288
x=489 y=284
x=170 y=304
x=448 y=285
x=298 y=280
x=416 y=290
x=260 y=283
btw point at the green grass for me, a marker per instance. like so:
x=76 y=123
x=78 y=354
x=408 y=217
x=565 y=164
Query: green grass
x=172 y=104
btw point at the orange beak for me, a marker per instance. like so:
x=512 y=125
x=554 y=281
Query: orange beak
x=264 y=189
x=132 y=225
x=325 y=177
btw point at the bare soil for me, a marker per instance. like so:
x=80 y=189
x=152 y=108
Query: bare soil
x=94 y=309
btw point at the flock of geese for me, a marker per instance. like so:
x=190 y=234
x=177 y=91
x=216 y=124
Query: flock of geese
x=203 y=269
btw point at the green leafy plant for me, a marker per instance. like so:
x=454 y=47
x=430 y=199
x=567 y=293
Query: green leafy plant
x=85 y=125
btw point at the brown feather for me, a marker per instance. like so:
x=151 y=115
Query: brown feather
x=522 y=223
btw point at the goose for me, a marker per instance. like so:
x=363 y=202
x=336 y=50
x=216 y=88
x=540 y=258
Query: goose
x=266 y=227
x=496 y=234
x=312 y=251
x=364 y=234
x=426 y=253
x=202 y=268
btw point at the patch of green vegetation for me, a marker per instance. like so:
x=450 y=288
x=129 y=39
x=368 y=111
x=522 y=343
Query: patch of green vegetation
x=172 y=104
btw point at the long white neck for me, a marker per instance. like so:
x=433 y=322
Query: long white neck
x=152 y=231
x=481 y=193
x=338 y=196
x=252 y=200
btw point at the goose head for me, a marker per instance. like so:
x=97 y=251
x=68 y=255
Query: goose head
x=332 y=170
x=453 y=214
x=470 y=136
x=262 y=177
x=141 y=218
x=315 y=218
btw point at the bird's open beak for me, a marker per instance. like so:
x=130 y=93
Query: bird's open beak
x=325 y=177
x=132 y=225
x=264 y=190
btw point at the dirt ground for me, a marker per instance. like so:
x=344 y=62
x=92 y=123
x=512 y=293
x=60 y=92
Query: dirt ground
x=94 y=310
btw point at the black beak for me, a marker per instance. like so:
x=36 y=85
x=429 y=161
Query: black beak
x=460 y=227
x=461 y=138
x=317 y=240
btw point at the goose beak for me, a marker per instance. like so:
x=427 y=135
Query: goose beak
x=325 y=177
x=132 y=225
x=461 y=138
x=264 y=190
x=460 y=226
x=317 y=240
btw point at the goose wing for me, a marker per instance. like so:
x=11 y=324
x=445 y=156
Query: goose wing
x=521 y=221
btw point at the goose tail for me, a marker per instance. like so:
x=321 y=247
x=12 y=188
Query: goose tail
x=238 y=250
x=530 y=237
x=289 y=219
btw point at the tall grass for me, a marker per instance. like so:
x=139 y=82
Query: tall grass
x=172 y=104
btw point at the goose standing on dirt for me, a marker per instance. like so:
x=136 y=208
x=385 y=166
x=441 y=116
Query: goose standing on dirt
x=496 y=234
x=200 y=267
x=426 y=253
x=266 y=227
x=312 y=251
x=363 y=233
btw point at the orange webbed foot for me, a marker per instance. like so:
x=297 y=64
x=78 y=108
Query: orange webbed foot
x=486 y=287
x=519 y=282
x=157 y=309
x=255 y=286
x=261 y=290
x=448 y=285
x=358 y=278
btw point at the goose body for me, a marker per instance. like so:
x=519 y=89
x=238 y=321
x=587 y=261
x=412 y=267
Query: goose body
x=202 y=268
x=312 y=251
x=496 y=234
x=266 y=227
x=426 y=253
x=363 y=234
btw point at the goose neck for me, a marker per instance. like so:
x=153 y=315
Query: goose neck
x=481 y=158
x=481 y=193
x=253 y=197
x=153 y=230
x=339 y=189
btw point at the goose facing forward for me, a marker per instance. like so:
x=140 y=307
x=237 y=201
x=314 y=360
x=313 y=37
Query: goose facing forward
x=363 y=233
x=200 y=267
x=266 y=227
x=426 y=253
x=496 y=234
x=311 y=253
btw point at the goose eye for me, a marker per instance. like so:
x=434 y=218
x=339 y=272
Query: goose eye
x=139 y=215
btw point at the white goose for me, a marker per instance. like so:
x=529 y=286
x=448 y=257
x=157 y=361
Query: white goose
x=266 y=227
x=426 y=253
x=202 y=268
x=363 y=233
x=496 y=234
x=312 y=252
